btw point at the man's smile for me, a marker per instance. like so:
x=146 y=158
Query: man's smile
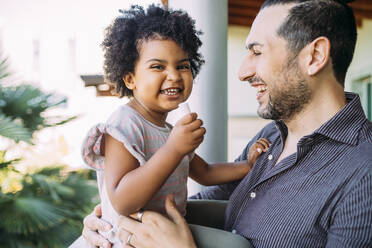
x=261 y=89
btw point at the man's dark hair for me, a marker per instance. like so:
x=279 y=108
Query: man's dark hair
x=310 y=19
x=134 y=26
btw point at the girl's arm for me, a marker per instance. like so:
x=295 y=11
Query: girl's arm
x=219 y=173
x=131 y=186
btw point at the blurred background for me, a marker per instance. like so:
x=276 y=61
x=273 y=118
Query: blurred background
x=52 y=92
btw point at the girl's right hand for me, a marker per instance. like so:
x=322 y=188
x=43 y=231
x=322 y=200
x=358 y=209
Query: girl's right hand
x=186 y=135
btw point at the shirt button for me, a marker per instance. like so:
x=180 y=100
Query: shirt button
x=270 y=157
x=252 y=195
x=233 y=231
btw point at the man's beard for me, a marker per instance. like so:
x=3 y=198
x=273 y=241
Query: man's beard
x=290 y=96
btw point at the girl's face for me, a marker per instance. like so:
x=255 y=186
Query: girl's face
x=162 y=77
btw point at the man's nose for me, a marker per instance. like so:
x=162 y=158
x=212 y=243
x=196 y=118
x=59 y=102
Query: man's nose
x=247 y=69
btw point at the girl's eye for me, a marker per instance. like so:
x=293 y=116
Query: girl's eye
x=157 y=67
x=184 y=67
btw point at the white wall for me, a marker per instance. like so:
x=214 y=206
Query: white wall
x=241 y=96
x=68 y=33
x=362 y=61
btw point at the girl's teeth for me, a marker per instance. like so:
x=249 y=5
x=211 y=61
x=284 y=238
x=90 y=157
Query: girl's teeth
x=170 y=91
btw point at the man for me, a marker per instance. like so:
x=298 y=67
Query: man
x=313 y=187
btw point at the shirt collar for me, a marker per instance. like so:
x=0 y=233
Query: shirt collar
x=344 y=126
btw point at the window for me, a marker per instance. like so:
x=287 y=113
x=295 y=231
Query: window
x=363 y=86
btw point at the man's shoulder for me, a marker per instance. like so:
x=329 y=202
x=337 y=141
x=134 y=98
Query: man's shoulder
x=363 y=152
x=366 y=132
x=269 y=130
x=358 y=163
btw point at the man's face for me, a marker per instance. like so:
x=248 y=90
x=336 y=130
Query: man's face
x=274 y=71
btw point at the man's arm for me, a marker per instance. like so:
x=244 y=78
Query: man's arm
x=351 y=224
x=157 y=230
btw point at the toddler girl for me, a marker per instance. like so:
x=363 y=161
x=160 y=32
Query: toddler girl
x=153 y=58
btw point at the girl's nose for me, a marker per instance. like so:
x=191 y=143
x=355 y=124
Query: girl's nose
x=247 y=69
x=173 y=75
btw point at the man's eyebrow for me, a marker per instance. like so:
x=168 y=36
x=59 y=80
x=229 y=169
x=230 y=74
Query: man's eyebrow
x=251 y=45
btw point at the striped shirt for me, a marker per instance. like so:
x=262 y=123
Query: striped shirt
x=142 y=139
x=320 y=196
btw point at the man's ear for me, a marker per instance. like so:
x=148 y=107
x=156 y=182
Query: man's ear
x=318 y=54
x=129 y=81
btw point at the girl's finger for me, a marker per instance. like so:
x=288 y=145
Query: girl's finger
x=187 y=119
x=265 y=142
x=199 y=132
x=194 y=125
x=261 y=145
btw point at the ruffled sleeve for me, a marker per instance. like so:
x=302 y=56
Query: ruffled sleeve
x=127 y=130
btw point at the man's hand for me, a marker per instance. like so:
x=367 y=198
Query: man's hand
x=156 y=230
x=92 y=224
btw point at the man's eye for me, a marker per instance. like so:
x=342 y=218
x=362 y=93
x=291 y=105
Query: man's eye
x=256 y=53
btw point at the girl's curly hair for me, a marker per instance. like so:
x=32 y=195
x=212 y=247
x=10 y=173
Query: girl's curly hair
x=127 y=31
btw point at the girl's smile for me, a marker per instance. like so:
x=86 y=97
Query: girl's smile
x=162 y=79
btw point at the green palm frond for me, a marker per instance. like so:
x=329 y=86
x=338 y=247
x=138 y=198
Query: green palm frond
x=58 y=120
x=28 y=103
x=4 y=163
x=53 y=186
x=48 y=211
x=44 y=208
x=56 y=237
x=4 y=68
x=28 y=215
x=13 y=130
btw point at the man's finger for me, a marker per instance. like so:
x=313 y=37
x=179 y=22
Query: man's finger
x=98 y=210
x=128 y=223
x=172 y=211
x=95 y=239
x=123 y=236
x=94 y=223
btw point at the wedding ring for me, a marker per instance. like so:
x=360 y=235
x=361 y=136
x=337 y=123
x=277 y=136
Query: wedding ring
x=259 y=150
x=129 y=238
x=140 y=214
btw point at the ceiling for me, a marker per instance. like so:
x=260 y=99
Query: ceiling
x=243 y=12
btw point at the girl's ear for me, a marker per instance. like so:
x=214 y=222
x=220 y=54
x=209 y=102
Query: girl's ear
x=129 y=81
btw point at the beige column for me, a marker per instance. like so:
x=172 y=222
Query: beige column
x=209 y=97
